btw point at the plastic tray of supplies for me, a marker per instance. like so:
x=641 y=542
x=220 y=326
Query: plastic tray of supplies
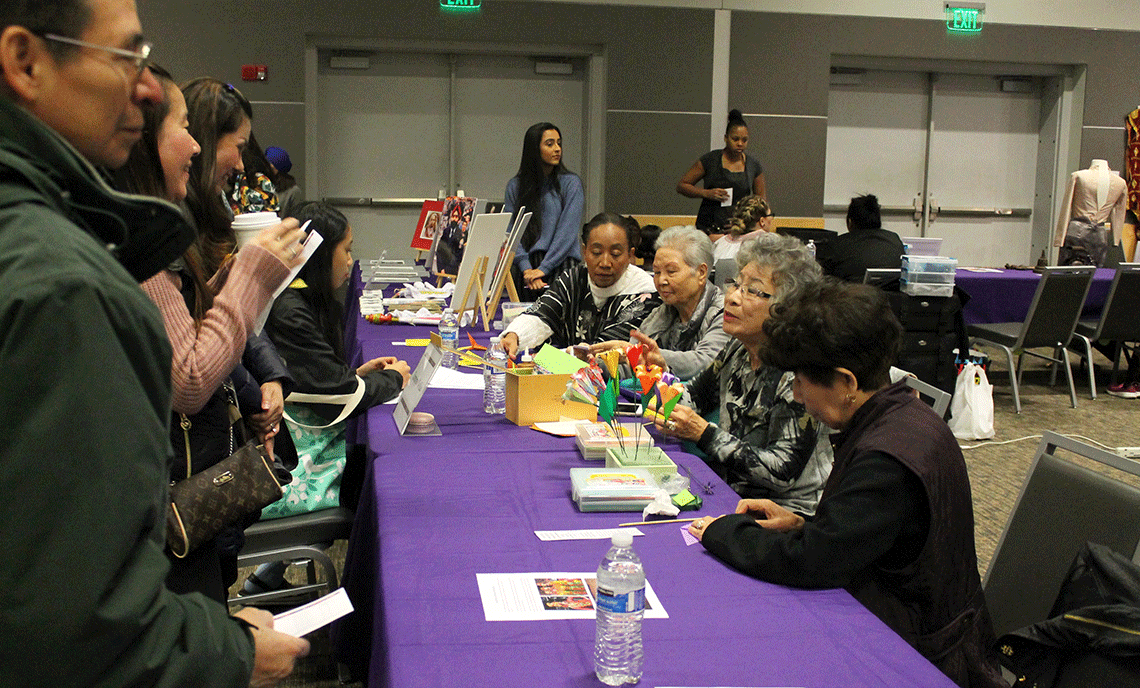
x=652 y=459
x=922 y=246
x=915 y=277
x=595 y=438
x=927 y=289
x=929 y=264
x=608 y=489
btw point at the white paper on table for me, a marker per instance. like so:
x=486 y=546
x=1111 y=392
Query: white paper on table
x=547 y=597
x=446 y=378
x=561 y=428
x=311 y=243
x=316 y=614
x=587 y=534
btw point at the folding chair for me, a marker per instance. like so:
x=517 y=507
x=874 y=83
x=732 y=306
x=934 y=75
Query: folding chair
x=880 y=276
x=1052 y=317
x=939 y=400
x=1119 y=321
x=296 y=539
x=1061 y=506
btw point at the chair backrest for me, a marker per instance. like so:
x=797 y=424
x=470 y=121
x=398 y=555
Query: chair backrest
x=1120 y=319
x=1056 y=306
x=1061 y=506
x=725 y=270
x=939 y=400
x=880 y=276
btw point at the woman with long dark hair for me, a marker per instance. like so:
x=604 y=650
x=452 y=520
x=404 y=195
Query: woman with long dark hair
x=729 y=176
x=221 y=120
x=306 y=324
x=554 y=194
x=207 y=324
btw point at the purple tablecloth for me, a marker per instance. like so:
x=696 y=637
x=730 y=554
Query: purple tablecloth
x=437 y=510
x=1005 y=296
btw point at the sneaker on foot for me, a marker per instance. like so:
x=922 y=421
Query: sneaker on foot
x=1125 y=390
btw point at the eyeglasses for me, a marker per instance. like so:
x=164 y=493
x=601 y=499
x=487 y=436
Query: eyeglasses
x=139 y=59
x=755 y=292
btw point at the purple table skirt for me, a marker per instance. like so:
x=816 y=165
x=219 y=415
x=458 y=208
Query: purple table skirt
x=1005 y=296
x=437 y=510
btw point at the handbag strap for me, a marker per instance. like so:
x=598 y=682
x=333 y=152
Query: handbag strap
x=349 y=403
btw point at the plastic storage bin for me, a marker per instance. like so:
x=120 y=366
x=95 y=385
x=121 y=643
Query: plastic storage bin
x=652 y=459
x=922 y=246
x=595 y=438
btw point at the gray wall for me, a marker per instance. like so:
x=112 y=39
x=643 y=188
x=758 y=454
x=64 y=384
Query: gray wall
x=659 y=63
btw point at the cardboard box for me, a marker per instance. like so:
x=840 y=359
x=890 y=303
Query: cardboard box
x=535 y=398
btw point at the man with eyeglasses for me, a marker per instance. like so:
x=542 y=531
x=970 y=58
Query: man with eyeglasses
x=85 y=378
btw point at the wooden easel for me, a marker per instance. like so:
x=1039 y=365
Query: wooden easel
x=476 y=284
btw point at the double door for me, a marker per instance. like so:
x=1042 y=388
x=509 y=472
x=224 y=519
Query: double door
x=956 y=156
x=412 y=126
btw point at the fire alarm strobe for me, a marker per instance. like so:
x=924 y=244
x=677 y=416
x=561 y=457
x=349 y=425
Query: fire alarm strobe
x=254 y=72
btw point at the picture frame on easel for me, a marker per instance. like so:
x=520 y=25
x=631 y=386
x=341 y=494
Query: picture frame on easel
x=501 y=275
x=484 y=243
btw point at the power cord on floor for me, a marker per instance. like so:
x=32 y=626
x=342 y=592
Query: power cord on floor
x=1037 y=437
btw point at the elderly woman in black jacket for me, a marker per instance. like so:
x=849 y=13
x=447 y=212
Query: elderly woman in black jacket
x=895 y=524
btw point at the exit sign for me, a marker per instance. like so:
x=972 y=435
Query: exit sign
x=460 y=4
x=964 y=17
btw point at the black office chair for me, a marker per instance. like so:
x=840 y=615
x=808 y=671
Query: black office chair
x=1051 y=320
x=1119 y=321
x=1060 y=507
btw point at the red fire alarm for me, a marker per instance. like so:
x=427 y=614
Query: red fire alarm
x=254 y=72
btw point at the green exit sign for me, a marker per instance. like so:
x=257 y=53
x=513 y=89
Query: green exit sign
x=460 y=4
x=964 y=17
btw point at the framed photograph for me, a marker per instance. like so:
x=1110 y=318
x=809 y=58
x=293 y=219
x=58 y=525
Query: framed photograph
x=428 y=225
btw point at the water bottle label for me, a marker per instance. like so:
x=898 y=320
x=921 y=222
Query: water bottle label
x=621 y=604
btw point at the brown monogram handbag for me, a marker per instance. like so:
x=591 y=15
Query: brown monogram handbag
x=204 y=503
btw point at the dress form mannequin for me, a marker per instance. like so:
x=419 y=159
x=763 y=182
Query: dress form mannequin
x=1098 y=194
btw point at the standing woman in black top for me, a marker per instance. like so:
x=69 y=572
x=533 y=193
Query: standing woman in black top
x=724 y=171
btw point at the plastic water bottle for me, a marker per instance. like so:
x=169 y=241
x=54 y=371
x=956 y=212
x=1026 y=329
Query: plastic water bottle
x=621 y=604
x=495 y=381
x=811 y=248
x=449 y=333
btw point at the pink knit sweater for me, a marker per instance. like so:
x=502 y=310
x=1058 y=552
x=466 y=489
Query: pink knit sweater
x=204 y=356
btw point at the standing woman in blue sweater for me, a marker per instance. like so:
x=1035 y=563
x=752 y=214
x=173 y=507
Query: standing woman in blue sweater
x=554 y=194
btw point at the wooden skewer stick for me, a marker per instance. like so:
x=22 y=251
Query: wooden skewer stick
x=653 y=523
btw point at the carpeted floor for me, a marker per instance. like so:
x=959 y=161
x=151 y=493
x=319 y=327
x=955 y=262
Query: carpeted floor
x=996 y=470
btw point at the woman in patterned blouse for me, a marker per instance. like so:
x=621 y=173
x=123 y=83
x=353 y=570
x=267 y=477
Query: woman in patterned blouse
x=765 y=444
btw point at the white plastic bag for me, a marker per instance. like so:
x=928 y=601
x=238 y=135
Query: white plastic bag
x=972 y=410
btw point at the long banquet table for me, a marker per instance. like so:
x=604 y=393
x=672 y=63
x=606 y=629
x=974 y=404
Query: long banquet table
x=435 y=511
x=1005 y=296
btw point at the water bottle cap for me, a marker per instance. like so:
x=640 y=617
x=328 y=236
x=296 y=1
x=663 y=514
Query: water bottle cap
x=622 y=538
x=496 y=340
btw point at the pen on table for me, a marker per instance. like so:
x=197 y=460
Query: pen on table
x=652 y=523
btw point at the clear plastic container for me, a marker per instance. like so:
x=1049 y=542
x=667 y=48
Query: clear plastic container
x=918 y=263
x=922 y=246
x=621 y=604
x=495 y=381
x=449 y=333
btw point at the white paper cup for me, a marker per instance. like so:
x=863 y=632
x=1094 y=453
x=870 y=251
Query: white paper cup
x=248 y=225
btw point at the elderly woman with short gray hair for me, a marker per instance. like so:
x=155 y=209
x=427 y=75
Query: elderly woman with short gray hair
x=685 y=332
x=765 y=444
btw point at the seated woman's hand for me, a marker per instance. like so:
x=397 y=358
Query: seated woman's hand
x=510 y=344
x=606 y=346
x=683 y=422
x=534 y=278
x=401 y=367
x=267 y=422
x=697 y=528
x=770 y=515
x=282 y=240
x=374 y=365
x=650 y=351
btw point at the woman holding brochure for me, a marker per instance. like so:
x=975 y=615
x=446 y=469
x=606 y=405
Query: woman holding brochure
x=207 y=323
x=306 y=324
